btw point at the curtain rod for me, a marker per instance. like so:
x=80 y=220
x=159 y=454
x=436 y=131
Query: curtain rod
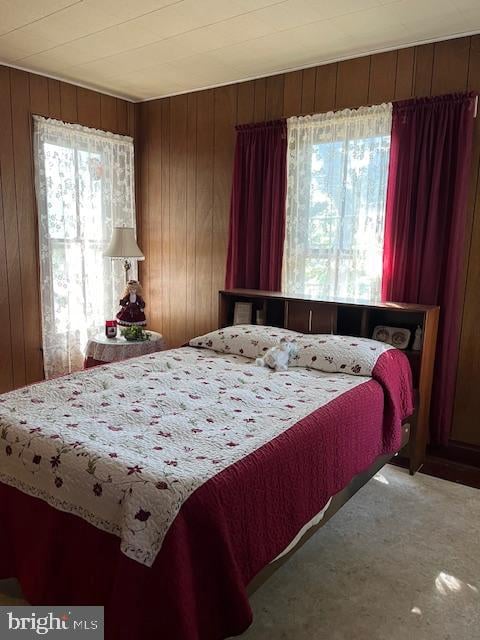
x=475 y=109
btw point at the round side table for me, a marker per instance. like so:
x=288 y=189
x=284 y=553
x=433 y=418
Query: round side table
x=101 y=350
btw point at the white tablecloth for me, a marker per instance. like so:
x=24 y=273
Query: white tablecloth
x=115 y=349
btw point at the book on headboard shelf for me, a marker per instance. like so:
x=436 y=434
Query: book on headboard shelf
x=308 y=315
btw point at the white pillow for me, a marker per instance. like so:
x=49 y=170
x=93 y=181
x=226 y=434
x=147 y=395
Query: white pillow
x=325 y=352
x=338 y=354
x=249 y=340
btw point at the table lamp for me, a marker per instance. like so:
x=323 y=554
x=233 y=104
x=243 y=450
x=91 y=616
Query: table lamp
x=123 y=246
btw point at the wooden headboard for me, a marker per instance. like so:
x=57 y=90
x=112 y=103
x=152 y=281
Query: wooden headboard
x=307 y=315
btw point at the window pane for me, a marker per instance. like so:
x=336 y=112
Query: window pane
x=60 y=191
x=90 y=177
x=94 y=273
x=84 y=187
x=337 y=176
x=67 y=270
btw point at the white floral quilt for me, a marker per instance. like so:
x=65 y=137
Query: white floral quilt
x=124 y=447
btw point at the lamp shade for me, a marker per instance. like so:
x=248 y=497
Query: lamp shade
x=123 y=244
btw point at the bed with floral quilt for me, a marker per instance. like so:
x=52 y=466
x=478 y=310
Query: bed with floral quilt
x=161 y=490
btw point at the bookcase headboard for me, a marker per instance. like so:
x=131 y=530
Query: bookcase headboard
x=307 y=315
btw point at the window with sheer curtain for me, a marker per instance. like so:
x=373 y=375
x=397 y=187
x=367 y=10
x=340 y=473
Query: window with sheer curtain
x=337 y=170
x=84 y=182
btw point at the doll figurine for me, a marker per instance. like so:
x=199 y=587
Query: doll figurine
x=132 y=304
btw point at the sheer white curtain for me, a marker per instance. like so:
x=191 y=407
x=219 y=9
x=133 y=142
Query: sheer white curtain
x=84 y=182
x=336 y=187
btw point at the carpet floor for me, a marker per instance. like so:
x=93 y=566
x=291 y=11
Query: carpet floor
x=401 y=561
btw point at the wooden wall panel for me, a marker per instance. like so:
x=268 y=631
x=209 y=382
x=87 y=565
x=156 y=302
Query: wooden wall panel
x=108 y=113
x=13 y=253
x=145 y=230
x=245 y=102
x=404 y=73
x=27 y=222
x=54 y=99
x=467 y=401
x=39 y=95
x=168 y=299
x=382 y=78
x=224 y=122
x=68 y=102
x=292 y=96
x=353 y=77
x=273 y=100
x=150 y=269
x=325 y=88
x=131 y=119
x=122 y=116
x=260 y=103
x=6 y=372
x=211 y=115
x=21 y=95
x=450 y=66
x=203 y=227
x=178 y=215
x=308 y=91
x=422 y=79
x=190 y=239
x=89 y=108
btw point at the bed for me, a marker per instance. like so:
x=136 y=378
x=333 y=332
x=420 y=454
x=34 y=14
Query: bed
x=166 y=493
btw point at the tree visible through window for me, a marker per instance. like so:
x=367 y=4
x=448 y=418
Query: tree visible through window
x=337 y=176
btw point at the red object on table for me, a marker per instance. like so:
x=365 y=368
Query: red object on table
x=111 y=328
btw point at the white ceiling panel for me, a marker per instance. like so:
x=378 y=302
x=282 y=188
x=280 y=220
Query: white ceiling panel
x=25 y=45
x=142 y=49
x=77 y=21
x=294 y=13
x=17 y=13
x=124 y=10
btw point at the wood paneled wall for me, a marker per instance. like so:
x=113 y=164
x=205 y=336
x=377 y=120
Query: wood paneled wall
x=184 y=166
x=21 y=95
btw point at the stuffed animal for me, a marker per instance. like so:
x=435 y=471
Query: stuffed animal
x=279 y=356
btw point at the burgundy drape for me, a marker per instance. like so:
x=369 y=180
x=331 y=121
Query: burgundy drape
x=257 y=210
x=428 y=181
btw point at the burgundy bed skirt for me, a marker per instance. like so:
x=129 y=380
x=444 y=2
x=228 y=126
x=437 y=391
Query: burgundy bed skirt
x=226 y=532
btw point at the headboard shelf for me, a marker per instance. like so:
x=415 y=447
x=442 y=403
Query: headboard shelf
x=308 y=315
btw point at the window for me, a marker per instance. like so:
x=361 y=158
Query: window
x=337 y=170
x=84 y=186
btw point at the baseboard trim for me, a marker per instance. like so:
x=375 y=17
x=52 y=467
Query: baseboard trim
x=461 y=452
x=446 y=469
x=453 y=471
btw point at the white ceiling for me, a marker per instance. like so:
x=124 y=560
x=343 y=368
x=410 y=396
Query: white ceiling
x=141 y=49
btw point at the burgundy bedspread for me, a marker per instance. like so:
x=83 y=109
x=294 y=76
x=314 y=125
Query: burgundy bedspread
x=226 y=532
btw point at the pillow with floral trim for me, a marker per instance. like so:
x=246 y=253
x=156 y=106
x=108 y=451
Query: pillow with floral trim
x=248 y=340
x=338 y=354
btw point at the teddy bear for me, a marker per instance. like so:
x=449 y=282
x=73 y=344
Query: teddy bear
x=279 y=356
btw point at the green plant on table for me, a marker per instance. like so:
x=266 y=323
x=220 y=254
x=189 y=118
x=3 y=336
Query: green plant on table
x=135 y=333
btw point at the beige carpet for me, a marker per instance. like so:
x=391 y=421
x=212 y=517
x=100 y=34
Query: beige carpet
x=401 y=561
